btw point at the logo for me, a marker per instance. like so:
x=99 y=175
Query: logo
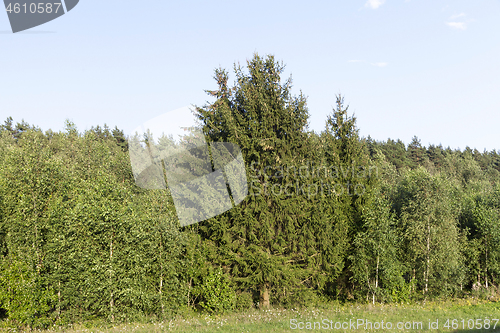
x=25 y=15
x=205 y=180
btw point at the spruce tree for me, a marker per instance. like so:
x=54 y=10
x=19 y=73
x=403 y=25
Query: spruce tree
x=345 y=153
x=263 y=242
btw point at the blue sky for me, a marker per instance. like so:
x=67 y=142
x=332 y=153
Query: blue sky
x=418 y=67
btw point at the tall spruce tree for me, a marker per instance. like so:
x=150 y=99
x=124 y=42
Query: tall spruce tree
x=263 y=243
x=345 y=153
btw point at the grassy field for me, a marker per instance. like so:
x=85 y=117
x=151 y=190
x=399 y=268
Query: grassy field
x=469 y=315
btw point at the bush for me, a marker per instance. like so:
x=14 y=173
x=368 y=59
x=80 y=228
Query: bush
x=24 y=299
x=217 y=295
x=403 y=293
x=244 y=301
x=296 y=297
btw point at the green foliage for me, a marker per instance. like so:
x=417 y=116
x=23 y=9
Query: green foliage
x=71 y=213
x=27 y=300
x=403 y=293
x=244 y=301
x=430 y=232
x=217 y=294
x=328 y=215
x=375 y=262
x=259 y=239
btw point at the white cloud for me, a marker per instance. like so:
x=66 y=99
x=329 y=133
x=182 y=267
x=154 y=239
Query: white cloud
x=374 y=4
x=380 y=64
x=454 y=17
x=457 y=25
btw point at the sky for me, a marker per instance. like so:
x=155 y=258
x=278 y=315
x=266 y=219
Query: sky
x=429 y=68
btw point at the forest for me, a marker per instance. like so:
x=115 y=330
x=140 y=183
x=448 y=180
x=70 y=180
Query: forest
x=328 y=216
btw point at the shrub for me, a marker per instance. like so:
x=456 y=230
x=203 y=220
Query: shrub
x=244 y=301
x=216 y=292
x=23 y=297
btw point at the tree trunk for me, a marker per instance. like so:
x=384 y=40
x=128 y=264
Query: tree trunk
x=59 y=292
x=368 y=286
x=414 y=288
x=161 y=280
x=189 y=290
x=428 y=255
x=112 y=301
x=59 y=301
x=264 y=296
x=486 y=268
x=376 y=279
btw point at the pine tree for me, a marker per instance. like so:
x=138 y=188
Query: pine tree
x=416 y=152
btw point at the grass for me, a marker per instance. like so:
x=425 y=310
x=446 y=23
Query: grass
x=283 y=320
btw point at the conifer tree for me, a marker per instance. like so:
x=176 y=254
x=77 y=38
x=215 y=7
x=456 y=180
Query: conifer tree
x=344 y=151
x=263 y=241
x=416 y=152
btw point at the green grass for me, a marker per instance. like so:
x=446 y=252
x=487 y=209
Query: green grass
x=278 y=320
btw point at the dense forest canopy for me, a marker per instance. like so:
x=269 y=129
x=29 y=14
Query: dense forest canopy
x=329 y=215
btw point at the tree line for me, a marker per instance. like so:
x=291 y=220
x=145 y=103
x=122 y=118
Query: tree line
x=328 y=215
